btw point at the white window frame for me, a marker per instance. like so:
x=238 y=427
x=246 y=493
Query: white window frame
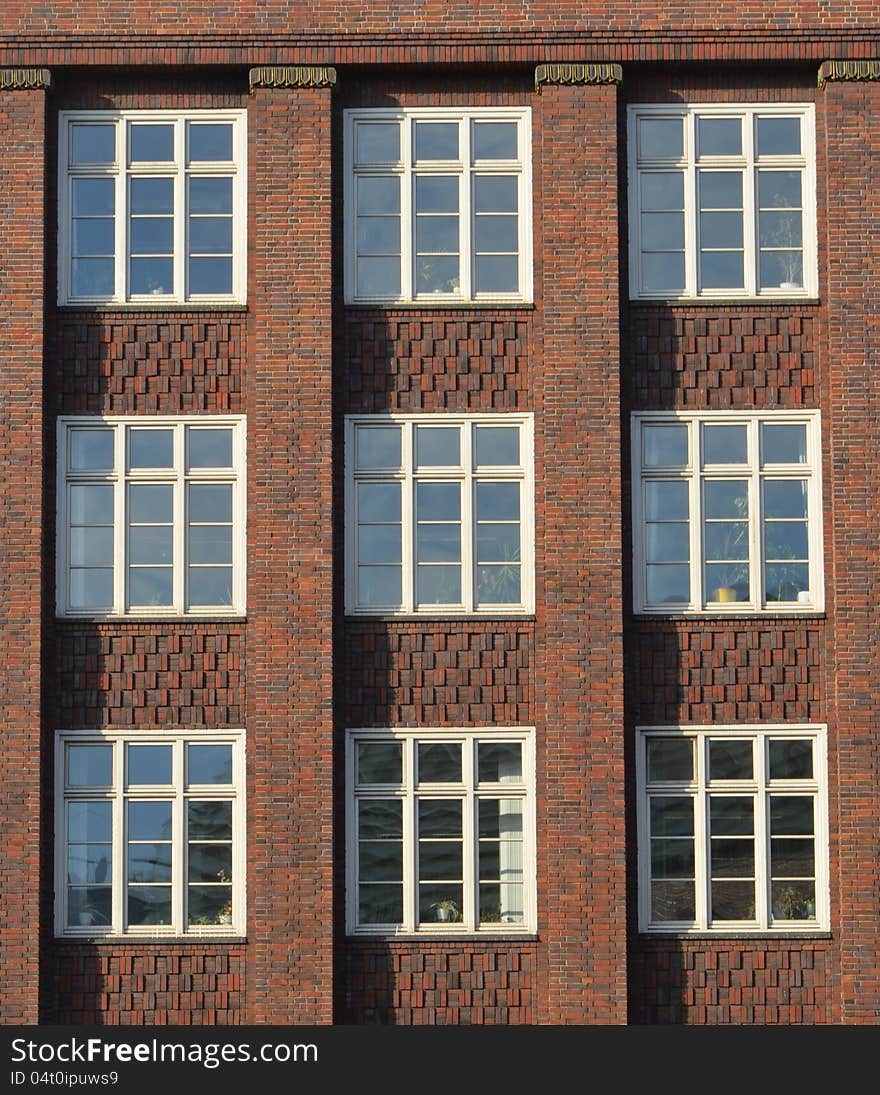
x=465 y=473
x=694 y=473
x=748 y=163
x=468 y=791
x=178 y=476
x=177 y=792
x=761 y=787
x=465 y=168
x=121 y=171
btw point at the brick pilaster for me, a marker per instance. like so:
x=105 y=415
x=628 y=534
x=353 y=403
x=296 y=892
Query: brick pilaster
x=22 y=180
x=581 y=877
x=289 y=654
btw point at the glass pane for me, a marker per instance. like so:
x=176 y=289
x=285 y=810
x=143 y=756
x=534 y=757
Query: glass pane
x=438 y=446
x=90 y=765
x=733 y=901
x=500 y=818
x=92 y=277
x=378 y=586
x=672 y=858
x=436 y=274
x=500 y=859
x=378 y=502
x=665 y=446
x=380 y=820
x=779 y=189
x=208 y=764
x=439 y=817
x=497 y=543
x=149 y=862
x=378 y=277
x=786 y=582
x=149 y=820
x=382 y=904
x=93 y=197
x=438 y=501
x=436 y=140
x=499 y=762
x=785 y=540
x=662 y=190
x=209 y=862
x=719 y=136
x=89 y=863
x=210 y=235
x=666 y=501
x=500 y=585
x=496 y=274
x=494 y=141
x=440 y=903
x=663 y=272
x=378 y=447
x=791 y=759
x=379 y=194
x=210 y=502
x=785 y=498
x=150 y=587
x=668 y=584
x=380 y=861
x=672 y=815
x=378 y=235
x=730 y=759
x=791 y=814
x=437 y=234
x=91 y=504
x=733 y=858
x=793 y=900
x=726 y=499
x=668 y=543
x=210 y=275
x=438 y=585
x=149 y=764
x=495 y=194
x=93 y=236
x=154 y=276
x=149 y=905
x=501 y=903
x=151 y=236
x=210 y=142
x=91 y=588
x=436 y=194
x=150 y=143
x=209 y=904
x=662 y=231
x=89 y=906
x=379 y=762
x=91 y=547
x=439 y=762
x=151 y=196
x=783 y=444
x=720 y=189
x=730 y=816
x=496 y=446
x=792 y=858
x=89 y=821
x=379 y=543
x=726 y=582
x=440 y=859
x=777 y=136
x=725 y=444
x=210 y=195
x=91 y=449
x=209 y=586
x=727 y=540
x=438 y=543
x=209 y=448
x=378 y=142
x=209 y=820
x=150 y=449
x=784 y=269
x=210 y=544
x=661 y=138
x=92 y=143
x=497 y=501
x=672 y=901
x=670 y=759
x=780 y=230
x=721 y=270
x=721 y=230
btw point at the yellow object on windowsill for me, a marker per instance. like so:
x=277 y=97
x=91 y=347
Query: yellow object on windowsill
x=724 y=594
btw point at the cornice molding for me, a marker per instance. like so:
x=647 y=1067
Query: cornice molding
x=292 y=76
x=848 y=70
x=25 y=79
x=578 y=74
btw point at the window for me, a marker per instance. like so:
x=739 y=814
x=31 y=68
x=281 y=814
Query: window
x=438 y=205
x=727 y=512
x=733 y=832
x=149 y=833
x=440 y=831
x=722 y=201
x=439 y=514
x=151 y=516
x=152 y=207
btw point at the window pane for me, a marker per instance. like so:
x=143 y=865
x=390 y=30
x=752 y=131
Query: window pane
x=378 y=446
x=150 y=503
x=93 y=277
x=380 y=904
x=209 y=586
x=149 y=821
x=89 y=906
x=779 y=190
x=662 y=231
x=672 y=901
x=438 y=447
x=663 y=272
x=784 y=269
x=380 y=861
x=436 y=274
x=151 y=235
x=379 y=586
x=497 y=543
x=730 y=759
x=720 y=189
x=378 y=277
x=666 y=501
x=149 y=862
x=437 y=235
x=378 y=235
x=210 y=503
x=378 y=194
x=149 y=764
x=783 y=444
x=721 y=270
x=777 y=136
x=785 y=498
x=733 y=900
x=436 y=194
x=727 y=540
x=92 y=143
x=672 y=858
x=379 y=762
x=438 y=543
x=436 y=140
x=496 y=446
x=667 y=543
x=494 y=140
x=91 y=504
x=495 y=194
x=783 y=230
x=670 y=759
x=210 y=141
x=440 y=903
x=153 y=276
x=661 y=138
x=379 y=543
x=719 y=136
x=209 y=764
x=725 y=444
x=497 y=501
x=439 y=762
x=496 y=274
x=440 y=859
x=438 y=501
x=662 y=190
x=210 y=195
x=721 y=230
x=439 y=817
x=378 y=142
x=209 y=904
x=89 y=863
x=93 y=197
x=93 y=236
x=381 y=820
x=151 y=196
x=672 y=815
x=499 y=762
x=209 y=820
x=150 y=449
x=91 y=547
x=729 y=816
x=89 y=765
x=150 y=143
x=438 y=585
x=791 y=814
x=665 y=446
x=726 y=499
x=733 y=858
x=209 y=448
x=786 y=581
x=668 y=584
x=791 y=759
x=792 y=858
x=501 y=903
x=91 y=589
x=150 y=545
x=785 y=540
x=500 y=585
x=210 y=544
x=89 y=822
x=210 y=275
x=793 y=900
x=209 y=863
x=149 y=905
x=210 y=235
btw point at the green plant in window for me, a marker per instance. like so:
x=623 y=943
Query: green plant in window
x=500 y=583
x=791 y=903
x=446 y=910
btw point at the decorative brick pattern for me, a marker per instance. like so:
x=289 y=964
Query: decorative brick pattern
x=577 y=74
x=440 y=983
x=435 y=363
x=726 y=672
x=711 y=981
x=149 y=364
x=148 y=675
x=292 y=76
x=181 y=986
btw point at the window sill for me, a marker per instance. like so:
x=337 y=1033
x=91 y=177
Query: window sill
x=725 y=302
x=435 y=305
x=443 y=937
x=434 y=617
x=741 y=614
x=140 y=940
x=721 y=936
x=152 y=619
x=148 y=306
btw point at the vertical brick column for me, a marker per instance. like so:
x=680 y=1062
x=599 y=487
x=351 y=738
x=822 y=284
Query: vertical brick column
x=581 y=843
x=850 y=103
x=289 y=654
x=22 y=285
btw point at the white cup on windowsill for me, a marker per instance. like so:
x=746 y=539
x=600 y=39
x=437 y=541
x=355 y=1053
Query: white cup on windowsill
x=804 y=597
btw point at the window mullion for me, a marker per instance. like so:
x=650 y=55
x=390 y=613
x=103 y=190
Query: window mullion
x=756 y=505
x=407 y=219
x=410 y=838
x=470 y=858
x=695 y=492
x=179 y=847
x=180 y=505
x=119 y=838
x=691 y=204
x=181 y=203
x=702 y=860
x=120 y=521
x=466 y=257
x=121 y=226
x=468 y=524
x=407 y=513
x=762 y=834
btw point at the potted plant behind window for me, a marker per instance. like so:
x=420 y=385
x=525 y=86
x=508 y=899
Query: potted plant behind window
x=446 y=911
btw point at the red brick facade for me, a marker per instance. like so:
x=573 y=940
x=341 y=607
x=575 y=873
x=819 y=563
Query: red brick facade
x=583 y=670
